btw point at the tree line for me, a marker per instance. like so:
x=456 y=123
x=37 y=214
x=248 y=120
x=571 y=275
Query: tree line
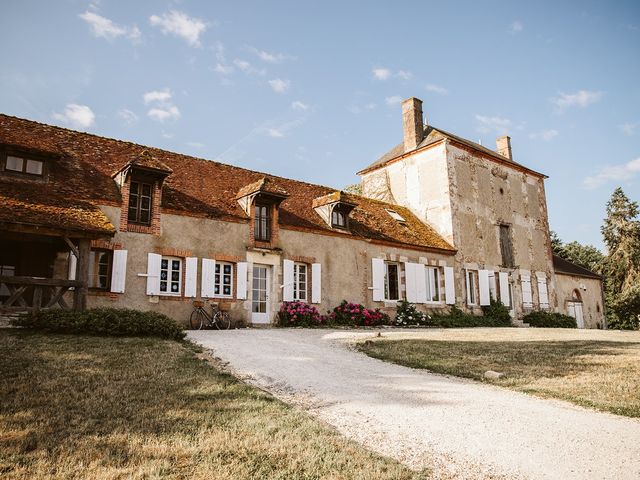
x=619 y=266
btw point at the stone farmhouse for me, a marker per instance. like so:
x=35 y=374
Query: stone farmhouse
x=88 y=221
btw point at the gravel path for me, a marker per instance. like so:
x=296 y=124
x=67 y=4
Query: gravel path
x=459 y=428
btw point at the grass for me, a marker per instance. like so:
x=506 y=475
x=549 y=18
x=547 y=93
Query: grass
x=596 y=370
x=92 y=407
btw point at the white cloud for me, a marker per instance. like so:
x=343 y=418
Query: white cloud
x=546 y=135
x=515 y=27
x=298 y=105
x=195 y=144
x=381 y=73
x=181 y=25
x=160 y=114
x=493 y=124
x=360 y=108
x=76 y=116
x=105 y=28
x=279 y=86
x=157 y=96
x=432 y=87
x=630 y=128
x=270 y=57
x=162 y=107
x=582 y=98
x=247 y=68
x=128 y=116
x=393 y=100
x=404 y=75
x=223 y=69
x=275 y=133
x=626 y=171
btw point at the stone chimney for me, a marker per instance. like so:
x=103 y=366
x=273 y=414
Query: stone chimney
x=412 y=124
x=503 y=147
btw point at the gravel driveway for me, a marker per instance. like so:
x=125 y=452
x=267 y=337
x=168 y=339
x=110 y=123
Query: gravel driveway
x=459 y=428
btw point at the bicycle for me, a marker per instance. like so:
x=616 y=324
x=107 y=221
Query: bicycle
x=200 y=318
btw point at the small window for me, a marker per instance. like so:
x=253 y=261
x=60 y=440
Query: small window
x=396 y=216
x=140 y=201
x=338 y=219
x=433 y=284
x=391 y=281
x=472 y=287
x=170 y=276
x=262 y=225
x=223 y=281
x=300 y=282
x=100 y=269
x=506 y=246
x=24 y=165
x=6 y=271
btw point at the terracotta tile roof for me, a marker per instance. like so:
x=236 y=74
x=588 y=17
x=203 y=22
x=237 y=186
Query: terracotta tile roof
x=145 y=159
x=433 y=135
x=334 y=197
x=264 y=185
x=197 y=187
x=562 y=266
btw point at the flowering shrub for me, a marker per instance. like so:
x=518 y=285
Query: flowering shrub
x=355 y=314
x=408 y=315
x=299 y=314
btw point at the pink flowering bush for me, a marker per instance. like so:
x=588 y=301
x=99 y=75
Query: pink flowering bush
x=348 y=313
x=299 y=314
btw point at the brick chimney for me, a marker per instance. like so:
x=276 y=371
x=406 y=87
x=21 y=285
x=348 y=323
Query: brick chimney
x=503 y=147
x=412 y=123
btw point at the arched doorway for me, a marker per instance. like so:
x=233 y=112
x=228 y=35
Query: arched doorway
x=574 y=307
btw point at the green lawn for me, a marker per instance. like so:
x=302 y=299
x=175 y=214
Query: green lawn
x=592 y=370
x=92 y=407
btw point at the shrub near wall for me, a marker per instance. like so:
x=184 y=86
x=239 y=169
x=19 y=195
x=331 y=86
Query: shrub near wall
x=116 y=322
x=299 y=314
x=354 y=314
x=549 y=320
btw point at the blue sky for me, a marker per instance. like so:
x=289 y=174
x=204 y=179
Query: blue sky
x=311 y=90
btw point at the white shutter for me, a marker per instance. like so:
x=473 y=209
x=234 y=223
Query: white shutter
x=207 y=280
x=504 y=289
x=73 y=266
x=377 y=278
x=241 y=280
x=449 y=286
x=483 y=286
x=543 y=294
x=410 y=282
x=153 y=273
x=191 y=277
x=492 y=285
x=316 y=283
x=287 y=281
x=421 y=283
x=119 y=271
x=527 y=298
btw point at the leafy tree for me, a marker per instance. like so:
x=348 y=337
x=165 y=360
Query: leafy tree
x=586 y=256
x=556 y=244
x=355 y=188
x=621 y=267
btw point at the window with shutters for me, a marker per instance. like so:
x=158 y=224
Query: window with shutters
x=262 y=222
x=300 y=282
x=223 y=280
x=140 y=202
x=100 y=262
x=170 y=276
x=472 y=287
x=506 y=246
x=433 y=284
x=391 y=281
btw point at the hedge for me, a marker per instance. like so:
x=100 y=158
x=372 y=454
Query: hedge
x=543 y=319
x=115 y=322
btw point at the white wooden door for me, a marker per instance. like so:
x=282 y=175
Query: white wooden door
x=260 y=289
x=574 y=309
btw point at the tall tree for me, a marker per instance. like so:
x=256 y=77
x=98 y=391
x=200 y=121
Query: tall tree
x=621 y=267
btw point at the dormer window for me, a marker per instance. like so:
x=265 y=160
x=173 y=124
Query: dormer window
x=140 y=202
x=396 y=216
x=22 y=165
x=262 y=222
x=338 y=219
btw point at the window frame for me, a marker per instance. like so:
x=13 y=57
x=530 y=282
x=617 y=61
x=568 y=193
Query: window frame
x=141 y=182
x=25 y=157
x=96 y=265
x=434 y=281
x=262 y=224
x=297 y=283
x=168 y=292
x=387 y=283
x=220 y=283
x=336 y=214
x=473 y=293
x=506 y=245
